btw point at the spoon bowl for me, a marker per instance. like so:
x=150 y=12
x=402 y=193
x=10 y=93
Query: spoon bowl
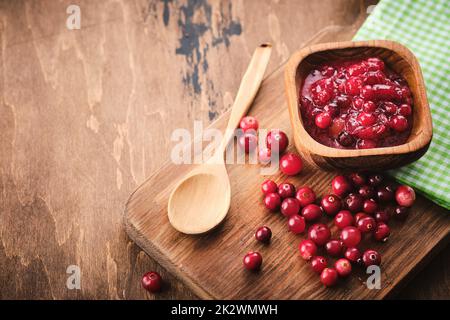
x=201 y=200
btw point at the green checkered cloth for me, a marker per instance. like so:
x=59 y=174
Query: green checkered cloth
x=424 y=27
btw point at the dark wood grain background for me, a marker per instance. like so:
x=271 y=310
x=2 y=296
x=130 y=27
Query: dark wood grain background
x=86 y=115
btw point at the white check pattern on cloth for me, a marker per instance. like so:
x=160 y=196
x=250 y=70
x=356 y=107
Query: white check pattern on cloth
x=424 y=27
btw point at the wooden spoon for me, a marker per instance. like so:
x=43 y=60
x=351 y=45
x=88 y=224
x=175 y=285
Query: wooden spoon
x=202 y=198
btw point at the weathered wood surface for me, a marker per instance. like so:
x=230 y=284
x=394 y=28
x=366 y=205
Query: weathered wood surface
x=86 y=115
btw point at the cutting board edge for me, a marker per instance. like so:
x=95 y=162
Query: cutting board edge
x=157 y=255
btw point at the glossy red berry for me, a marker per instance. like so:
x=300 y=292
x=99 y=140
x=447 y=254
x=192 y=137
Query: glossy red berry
x=366 y=192
x=305 y=195
x=405 y=196
x=319 y=233
x=323 y=120
x=249 y=123
x=307 y=249
x=343 y=219
x=375 y=180
x=343 y=267
x=277 y=140
x=370 y=206
x=354 y=202
x=341 y=186
x=318 y=263
x=371 y=257
x=334 y=248
x=312 y=212
x=382 y=216
x=269 y=186
x=286 y=190
x=381 y=232
x=290 y=206
x=329 y=277
x=151 y=281
x=366 y=224
x=399 y=123
x=385 y=193
x=252 y=261
x=291 y=164
x=264 y=155
x=248 y=142
x=352 y=254
x=400 y=213
x=296 y=224
x=272 y=201
x=331 y=204
x=263 y=234
x=359 y=216
x=350 y=236
x=357 y=179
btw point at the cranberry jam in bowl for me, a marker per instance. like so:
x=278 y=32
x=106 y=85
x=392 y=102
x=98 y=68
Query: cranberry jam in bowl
x=356 y=105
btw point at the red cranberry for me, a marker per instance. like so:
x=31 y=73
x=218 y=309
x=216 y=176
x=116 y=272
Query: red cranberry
x=367 y=92
x=252 y=261
x=405 y=196
x=331 y=204
x=405 y=110
x=312 y=212
x=286 y=190
x=370 y=206
x=357 y=179
x=357 y=69
x=269 y=186
x=385 y=193
x=272 y=201
x=401 y=213
x=381 y=232
x=359 y=216
x=296 y=224
x=343 y=219
x=329 y=277
x=366 y=192
x=248 y=123
x=305 y=196
x=334 y=248
x=358 y=103
x=307 y=249
x=366 y=144
x=263 y=234
x=291 y=164
x=341 y=186
x=390 y=107
x=323 y=120
x=353 y=86
x=369 y=106
x=366 y=224
x=375 y=180
x=354 y=202
x=375 y=64
x=319 y=233
x=352 y=254
x=318 y=263
x=151 y=281
x=371 y=257
x=264 y=155
x=382 y=216
x=343 y=267
x=398 y=123
x=350 y=236
x=367 y=119
x=290 y=206
x=248 y=141
x=328 y=71
x=279 y=140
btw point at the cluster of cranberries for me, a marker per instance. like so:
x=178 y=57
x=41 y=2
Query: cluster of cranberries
x=356 y=104
x=358 y=205
x=276 y=141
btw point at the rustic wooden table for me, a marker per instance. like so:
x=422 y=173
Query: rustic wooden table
x=86 y=115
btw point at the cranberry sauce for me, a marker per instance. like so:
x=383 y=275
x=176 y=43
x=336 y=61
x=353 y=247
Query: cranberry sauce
x=356 y=104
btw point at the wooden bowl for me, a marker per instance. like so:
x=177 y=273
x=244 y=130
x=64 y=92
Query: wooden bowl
x=399 y=59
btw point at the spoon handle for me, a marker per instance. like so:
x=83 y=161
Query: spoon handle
x=248 y=88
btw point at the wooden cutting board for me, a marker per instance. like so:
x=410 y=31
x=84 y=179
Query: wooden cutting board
x=211 y=264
